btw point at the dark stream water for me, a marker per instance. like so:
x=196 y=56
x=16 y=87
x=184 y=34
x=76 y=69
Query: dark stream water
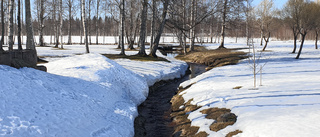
x=154 y=114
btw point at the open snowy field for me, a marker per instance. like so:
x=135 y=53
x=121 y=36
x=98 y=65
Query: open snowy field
x=286 y=105
x=80 y=96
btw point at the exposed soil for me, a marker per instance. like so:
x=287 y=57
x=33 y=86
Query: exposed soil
x=135 y=57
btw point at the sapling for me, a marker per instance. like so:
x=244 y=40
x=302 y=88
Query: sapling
x=254 y=61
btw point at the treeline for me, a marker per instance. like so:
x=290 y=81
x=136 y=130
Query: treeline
x=133 y=20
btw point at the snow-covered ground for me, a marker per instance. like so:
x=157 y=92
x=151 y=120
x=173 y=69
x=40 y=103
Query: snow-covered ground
x=91 y=95
x=80 y=96
x=287 y=104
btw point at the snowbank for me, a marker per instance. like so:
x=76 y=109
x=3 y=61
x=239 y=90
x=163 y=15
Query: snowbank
x=95 y=96
x=82 y=95
x=287 y=104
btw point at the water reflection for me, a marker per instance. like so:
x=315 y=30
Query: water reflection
x=196 y=69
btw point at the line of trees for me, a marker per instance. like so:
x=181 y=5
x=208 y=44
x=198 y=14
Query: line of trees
x=133 y=20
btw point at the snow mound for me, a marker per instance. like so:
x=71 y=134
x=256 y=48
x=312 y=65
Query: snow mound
x=154 y=71
x=90 y=96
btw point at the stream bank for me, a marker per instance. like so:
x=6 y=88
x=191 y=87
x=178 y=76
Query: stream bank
x=154 y=118
x=165 y=112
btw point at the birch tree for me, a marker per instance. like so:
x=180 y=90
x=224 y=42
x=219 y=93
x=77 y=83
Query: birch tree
x=192 y=30
x=97 y=15
x=60 y=23
x=70 y=6
x=84 y=22
x=223 y=28
x=41 y=22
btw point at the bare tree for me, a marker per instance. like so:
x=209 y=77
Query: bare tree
x=70 y=5
x=308 y=21
x=19 y=26
x=223 y=28
x=248 y=19
x=160 y=29
x=291 y=14
x=142 y=51
x=121 y=27
x=265 y=14
x=60 y=23
x=153 y=18
x=41 y=22
x=132 y=23
x=2 y=26
x=84 y=22
x=30 y=41
x=89 y=20
x=192 y=30
x=97 y=15
x=11 y=7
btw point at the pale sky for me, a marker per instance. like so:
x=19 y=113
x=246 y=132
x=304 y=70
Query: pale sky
x=278 y=3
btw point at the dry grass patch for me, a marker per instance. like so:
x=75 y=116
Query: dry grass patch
x=214 y=58
x=215 y=113
x=233 y=133
x=222 y=116
x=135 y=57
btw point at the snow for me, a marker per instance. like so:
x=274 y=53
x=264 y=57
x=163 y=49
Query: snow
x=91 y=95
x=81 y=95
x=287 y=104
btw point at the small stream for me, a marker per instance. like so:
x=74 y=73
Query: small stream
x=154 y=114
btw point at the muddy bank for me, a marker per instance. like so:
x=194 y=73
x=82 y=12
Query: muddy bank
x=182 y=125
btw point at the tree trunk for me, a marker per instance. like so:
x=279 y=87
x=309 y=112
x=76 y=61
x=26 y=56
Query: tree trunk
x=163 y=22
x=84 y=22
x=131 y=22
x=223 y=24
x=303 y=36
x=192 y=30
x=247 y=22
x=2 y=26
x=11 y=7
x=70 y=22
x=81 y=25
x=266 y=40
x=41 y=24
x=142 y=51
x=316 y=42
x=56 y=29
x=295 y=36
x=97 y=15
x=60 y=24
x=89 y=21
x=30 y=41
x=19 y=26
x=153 y=18
x=121 y=25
